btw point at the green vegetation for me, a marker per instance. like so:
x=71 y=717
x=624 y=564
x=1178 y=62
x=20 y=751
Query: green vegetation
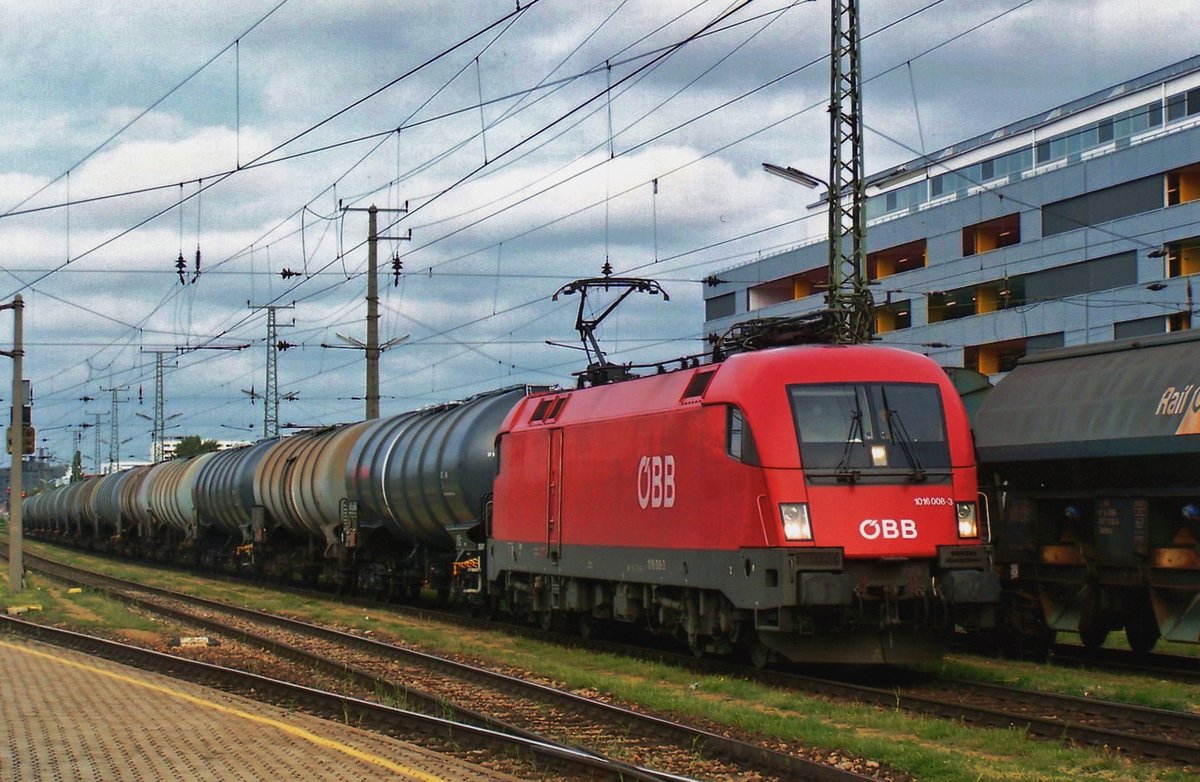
x=86 y=610
x=1071 y=681
x=929 y=749
x=192 y=445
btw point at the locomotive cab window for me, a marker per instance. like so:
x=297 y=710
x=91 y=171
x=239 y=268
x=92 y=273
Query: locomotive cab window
x=739 y=442
x=876 y=430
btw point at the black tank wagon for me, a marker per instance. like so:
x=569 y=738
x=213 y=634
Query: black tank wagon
x=1093 y=455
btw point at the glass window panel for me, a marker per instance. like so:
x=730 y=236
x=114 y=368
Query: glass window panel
x=1193 y=101
x=841 y=425
x=1176 y=107
x=1043 y=152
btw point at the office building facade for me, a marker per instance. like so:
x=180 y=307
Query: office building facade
x=1078 y=225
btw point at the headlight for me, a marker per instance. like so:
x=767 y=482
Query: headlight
x=795 y=521
x=968 y=520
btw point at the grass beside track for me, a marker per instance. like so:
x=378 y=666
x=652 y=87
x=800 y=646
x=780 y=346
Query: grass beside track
x=931 y=750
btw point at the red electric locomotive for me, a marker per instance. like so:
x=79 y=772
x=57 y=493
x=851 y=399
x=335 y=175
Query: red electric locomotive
x=811 y=503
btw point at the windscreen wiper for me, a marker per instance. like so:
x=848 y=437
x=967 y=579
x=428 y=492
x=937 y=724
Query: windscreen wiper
x=896 y=427
x=843 y=470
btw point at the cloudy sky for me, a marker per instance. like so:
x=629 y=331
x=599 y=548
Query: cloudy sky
x=530 y=147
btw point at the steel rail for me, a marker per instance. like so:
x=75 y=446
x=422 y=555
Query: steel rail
x=342 y=708
x=696 y=739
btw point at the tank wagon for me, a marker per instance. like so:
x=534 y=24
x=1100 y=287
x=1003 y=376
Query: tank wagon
x=806 y=503
x=1094 y=453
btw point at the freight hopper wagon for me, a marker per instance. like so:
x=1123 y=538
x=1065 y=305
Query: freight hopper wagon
x=1096 y=453
x=808 y=503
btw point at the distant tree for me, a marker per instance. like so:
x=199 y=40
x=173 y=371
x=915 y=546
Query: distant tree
x=76 y=467
x=192 y=445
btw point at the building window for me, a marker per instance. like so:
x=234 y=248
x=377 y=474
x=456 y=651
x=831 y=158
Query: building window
x=720 y=306
x=1119 y=127
x=901 y=199
x=1183 y=185
x=893 y=316
x=1157 y=324
x=894 y=260
x=1102 y=206
x=951 y=305
x=1183 y=104
x=797 y=286
x=981 y=299
x=991 y=234
x=1075 y=279
x=1183 y=257
x=996 y=357
x=1139 y=327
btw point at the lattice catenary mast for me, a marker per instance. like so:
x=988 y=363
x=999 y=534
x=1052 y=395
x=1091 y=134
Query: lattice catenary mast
x=849 y=300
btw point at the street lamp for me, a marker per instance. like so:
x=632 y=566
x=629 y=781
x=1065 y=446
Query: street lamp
x=849 y=301
x=795 y=175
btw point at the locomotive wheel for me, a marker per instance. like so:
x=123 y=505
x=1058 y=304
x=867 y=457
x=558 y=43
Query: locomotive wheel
x=761 y=655
x=486 y=609
x=587 y=628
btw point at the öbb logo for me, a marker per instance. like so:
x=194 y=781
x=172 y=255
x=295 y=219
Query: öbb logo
x=656 y=482
x=888 y=529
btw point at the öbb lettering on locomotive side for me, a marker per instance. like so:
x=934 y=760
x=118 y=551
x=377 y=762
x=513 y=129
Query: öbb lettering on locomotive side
x=768 y=503
x=656 y=482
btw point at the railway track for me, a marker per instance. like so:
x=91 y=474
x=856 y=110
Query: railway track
x=438 y=734
x=1158 y=735
x=1154 y=734
x=1166 y=666
x=436 y=685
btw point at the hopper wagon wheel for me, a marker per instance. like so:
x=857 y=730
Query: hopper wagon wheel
x=1093 y=636
x=1093 y=624
x=1141 y=630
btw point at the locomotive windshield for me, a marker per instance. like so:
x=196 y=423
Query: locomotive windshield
x=849 y=431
